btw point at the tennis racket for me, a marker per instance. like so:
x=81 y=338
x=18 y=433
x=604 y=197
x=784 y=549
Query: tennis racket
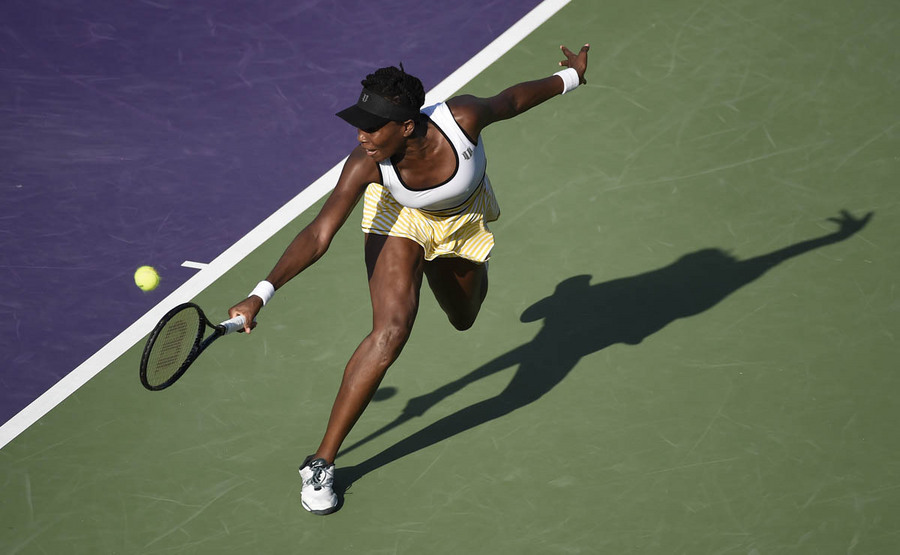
x=176 y=342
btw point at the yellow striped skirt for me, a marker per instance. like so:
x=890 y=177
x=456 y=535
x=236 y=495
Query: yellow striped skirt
x=461 y=232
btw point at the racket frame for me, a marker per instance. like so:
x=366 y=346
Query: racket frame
x=200 y=344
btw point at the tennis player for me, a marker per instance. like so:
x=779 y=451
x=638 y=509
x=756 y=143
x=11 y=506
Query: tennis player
x=427 y=203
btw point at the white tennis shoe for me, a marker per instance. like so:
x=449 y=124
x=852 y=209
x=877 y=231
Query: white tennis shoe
x=317 y=493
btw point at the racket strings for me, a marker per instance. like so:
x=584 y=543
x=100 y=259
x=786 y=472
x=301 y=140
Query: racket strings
x=173 y=346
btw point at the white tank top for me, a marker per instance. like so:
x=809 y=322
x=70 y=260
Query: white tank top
x=470 y=169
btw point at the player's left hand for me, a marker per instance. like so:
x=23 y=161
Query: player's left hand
x=578 y=62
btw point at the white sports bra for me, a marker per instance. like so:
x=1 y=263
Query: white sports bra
x=470 y=169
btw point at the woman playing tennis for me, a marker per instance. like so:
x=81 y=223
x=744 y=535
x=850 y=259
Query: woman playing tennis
x=427 y=202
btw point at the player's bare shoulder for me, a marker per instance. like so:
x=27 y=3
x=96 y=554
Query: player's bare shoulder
x=360 y=168
x=471 y=113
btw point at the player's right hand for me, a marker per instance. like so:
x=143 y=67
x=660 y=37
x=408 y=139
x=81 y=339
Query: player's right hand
x=248 y=308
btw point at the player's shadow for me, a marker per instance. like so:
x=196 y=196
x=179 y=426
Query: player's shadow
x=580 y=319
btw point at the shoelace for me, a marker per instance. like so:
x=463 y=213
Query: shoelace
x=316 y=479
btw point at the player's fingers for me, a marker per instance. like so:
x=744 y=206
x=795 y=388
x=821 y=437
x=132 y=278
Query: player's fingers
x=249 y=323
x=580 y=62
x=247 y=327
x=564 y=63
x=234 y=313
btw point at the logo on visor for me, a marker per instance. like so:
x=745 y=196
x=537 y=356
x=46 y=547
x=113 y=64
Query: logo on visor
x=364 y=97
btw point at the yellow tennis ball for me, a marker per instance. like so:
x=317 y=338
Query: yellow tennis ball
x=146 y=278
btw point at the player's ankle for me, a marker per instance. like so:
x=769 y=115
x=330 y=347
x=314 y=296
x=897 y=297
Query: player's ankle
x=327 y=457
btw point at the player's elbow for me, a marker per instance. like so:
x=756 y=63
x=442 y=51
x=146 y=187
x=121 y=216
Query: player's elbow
x=318 y=238
x=321 y=242
x=510 y=107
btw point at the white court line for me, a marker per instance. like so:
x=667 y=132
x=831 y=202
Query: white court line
x=194 y=265
x=259 y=235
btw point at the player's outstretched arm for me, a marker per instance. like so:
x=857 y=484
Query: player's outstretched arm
x=474 y=113
x=313 y=241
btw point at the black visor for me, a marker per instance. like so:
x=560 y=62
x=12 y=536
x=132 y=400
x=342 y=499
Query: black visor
x=373 y=111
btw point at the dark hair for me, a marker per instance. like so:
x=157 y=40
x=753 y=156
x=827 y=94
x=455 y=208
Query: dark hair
x=397 y=86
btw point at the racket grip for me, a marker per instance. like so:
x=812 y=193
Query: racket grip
x=234 y=324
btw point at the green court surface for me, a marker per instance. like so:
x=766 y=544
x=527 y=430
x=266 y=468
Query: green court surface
x=679 y=354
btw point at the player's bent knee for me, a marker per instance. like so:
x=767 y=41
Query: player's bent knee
x=390 y=339
x=462 y=322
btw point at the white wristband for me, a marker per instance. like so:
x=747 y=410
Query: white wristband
x=570 y=79
x=264 y=290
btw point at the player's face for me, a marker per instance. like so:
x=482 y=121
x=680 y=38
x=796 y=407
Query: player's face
x=384 y=142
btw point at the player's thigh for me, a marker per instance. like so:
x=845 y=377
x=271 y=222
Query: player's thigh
x=395 y=266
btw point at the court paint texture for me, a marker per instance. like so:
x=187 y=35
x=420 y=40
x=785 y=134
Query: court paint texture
x=678 y=353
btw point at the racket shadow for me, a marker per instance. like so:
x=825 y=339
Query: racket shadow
x=581 y=319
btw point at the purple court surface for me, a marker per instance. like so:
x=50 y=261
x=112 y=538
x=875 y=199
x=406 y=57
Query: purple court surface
x=159 y=131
